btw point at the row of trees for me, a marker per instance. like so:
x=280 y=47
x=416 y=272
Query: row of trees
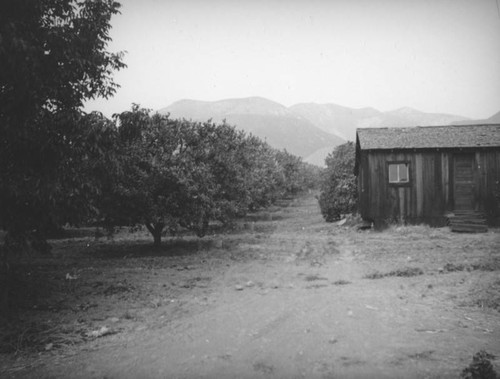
x=59 y=165
x=143 y=168
x=178 y=173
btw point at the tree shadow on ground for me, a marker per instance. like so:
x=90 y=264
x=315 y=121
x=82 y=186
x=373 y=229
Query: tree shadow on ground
x=145 y=249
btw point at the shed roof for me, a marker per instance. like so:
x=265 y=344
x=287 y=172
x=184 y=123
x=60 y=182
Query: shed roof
x=449 y=136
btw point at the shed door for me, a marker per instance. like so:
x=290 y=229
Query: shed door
x=464 y=182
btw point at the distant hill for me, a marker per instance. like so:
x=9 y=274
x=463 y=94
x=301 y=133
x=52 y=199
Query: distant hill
x=202 y=110
x=318 y=157
x=344 y=121
x=266 y=119
x=308 y=130
x=337 y=119
x=495 y=119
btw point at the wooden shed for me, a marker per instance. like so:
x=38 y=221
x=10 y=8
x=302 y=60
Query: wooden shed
x=429 y=174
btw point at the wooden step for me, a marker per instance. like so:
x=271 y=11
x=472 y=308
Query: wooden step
x=466 y=221
x=469 y=228
x=472 y=215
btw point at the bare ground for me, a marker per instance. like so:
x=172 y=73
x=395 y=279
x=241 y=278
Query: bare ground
x=283 y=295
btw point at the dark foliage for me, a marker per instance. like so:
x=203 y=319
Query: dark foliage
x=339 y=189
x=53 y=57
x=179 y=173
x=480 y=367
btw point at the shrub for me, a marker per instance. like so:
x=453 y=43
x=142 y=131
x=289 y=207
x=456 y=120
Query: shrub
x=481 y=367
x=339 y=189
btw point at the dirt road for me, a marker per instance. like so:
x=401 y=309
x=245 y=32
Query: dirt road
x=286 y=295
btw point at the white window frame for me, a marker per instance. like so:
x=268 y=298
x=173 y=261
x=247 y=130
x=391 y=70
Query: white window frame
x=399 y=167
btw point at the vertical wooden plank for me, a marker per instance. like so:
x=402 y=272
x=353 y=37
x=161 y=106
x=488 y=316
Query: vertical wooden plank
x=409 y=214
x=402 y=208
x=419 y=185
x=438 y=177
x=465 y=181
x=384 y=186
x=368 y=185
x=445 y=180
x=451 y=167
x=431 y=199
x=483 y=190
x=410 y=206
x=477 y=178
x=438 y=208
x=426 y=186
x=387 y=209
x=363 y=187
x=491 y=171
x=375 y=185
x=411 y=203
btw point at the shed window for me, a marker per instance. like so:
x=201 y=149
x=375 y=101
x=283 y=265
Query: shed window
x=398 y=173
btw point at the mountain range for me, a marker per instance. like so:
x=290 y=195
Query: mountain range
x=308 y=130
x=495 y=119
x=266 y=119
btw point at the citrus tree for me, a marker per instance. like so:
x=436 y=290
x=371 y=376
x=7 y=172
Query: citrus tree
x=339 y=188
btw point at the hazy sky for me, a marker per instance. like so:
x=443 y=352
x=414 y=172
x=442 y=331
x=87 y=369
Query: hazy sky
x=434 y=55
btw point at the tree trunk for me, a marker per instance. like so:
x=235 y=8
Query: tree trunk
x=156 y=229
x=157 y=239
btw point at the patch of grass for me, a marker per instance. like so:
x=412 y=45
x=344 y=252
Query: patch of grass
x=375 y=275
x=316 y=286
x=127 y=315
x=451 y=267
x=312 y=278
x=492 y=302
x=401 y=228
x=406 y=272
x=424 y=355
x=263 y=368
x=487 y=267
x=118 y=288
x=37 y=337
x=490 y=266
x=480 y=367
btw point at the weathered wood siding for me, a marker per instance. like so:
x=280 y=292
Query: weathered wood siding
x=488 y=185
x=428 y=196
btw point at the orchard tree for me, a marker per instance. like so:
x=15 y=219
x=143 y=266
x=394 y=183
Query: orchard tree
x=312 y=176
x=218 y=191
x=53 y=57
x=144 y=189
x=265 y=179
x=298 y=175
x=175 y=173
x=163 y=180
x=339 y=189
